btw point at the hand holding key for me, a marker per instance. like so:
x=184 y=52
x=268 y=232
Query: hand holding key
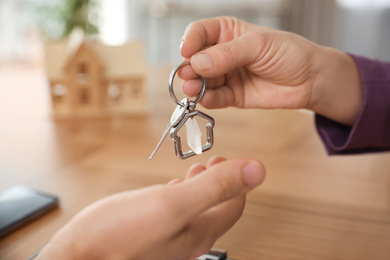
x=186 y=111
x=250 y=66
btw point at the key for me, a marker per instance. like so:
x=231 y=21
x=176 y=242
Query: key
x=176 y=117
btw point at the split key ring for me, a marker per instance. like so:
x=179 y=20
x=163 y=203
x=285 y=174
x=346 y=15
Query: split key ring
x=172 y=93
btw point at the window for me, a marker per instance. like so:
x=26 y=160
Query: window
x=114 y=92
x=82 y=73
x=58 y=92
x=134 y=89
x=84 y=96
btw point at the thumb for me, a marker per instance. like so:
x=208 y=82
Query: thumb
x=224 y=57
x=219 y=183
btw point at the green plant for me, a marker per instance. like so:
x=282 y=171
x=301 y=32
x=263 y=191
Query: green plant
x=57 y=19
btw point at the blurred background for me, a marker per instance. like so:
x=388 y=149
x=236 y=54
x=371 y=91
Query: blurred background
x=357 y=26
x=311 y=206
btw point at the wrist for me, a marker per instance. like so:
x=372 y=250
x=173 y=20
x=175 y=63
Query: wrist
x=337 y=92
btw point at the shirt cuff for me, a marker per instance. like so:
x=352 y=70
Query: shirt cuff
x=371 y=131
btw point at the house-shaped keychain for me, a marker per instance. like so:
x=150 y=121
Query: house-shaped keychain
x=89 y=79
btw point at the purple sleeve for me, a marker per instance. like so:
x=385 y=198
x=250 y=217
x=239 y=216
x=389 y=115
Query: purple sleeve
x=371 y=131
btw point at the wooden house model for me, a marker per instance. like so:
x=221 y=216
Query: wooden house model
x=90 y=79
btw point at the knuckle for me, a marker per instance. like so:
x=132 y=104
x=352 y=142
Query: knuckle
x=224 y=190
x=226 y=53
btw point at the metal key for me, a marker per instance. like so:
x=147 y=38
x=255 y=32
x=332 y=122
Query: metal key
x=176 y=117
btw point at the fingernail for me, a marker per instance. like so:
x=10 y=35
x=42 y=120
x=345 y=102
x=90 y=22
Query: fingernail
x=253 y=174
x=181 y=44
x=203 y=61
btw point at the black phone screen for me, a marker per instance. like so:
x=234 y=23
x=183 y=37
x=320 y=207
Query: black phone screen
x=20 y=204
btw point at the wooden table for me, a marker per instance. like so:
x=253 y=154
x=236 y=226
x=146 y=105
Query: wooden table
x=311 y=206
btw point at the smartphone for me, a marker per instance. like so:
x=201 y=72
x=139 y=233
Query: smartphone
x=215 y=254
x=20 y=205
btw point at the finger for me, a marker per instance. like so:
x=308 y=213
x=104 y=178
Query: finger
x=198 y=35
x=234 y=45
x=215 y=222
x=204 y=33
x=174 y=181
x=219 y=183
x=225 y=57
x=194 y=170
x=215 y=160
x=202 y=232
x=192 y=87
x=198 y=168
x=219 y=98
x=186 y=73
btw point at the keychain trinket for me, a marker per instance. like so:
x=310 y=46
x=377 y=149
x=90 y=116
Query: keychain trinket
x=185 y=114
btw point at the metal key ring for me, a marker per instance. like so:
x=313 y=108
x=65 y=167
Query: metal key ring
x=170 y=85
